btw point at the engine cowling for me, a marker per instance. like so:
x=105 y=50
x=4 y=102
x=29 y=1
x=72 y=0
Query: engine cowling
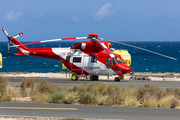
x=79 y=46
x=108 y=45
x=83 y=45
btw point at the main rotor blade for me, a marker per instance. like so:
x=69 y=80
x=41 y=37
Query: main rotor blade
x=103 y=46
x=52 y=40
x=139 y=48
x=106 y=49
x=5 y=32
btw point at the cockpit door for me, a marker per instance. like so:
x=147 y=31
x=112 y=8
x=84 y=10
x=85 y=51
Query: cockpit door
x=91 y=64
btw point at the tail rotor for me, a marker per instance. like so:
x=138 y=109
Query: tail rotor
x=9 y=38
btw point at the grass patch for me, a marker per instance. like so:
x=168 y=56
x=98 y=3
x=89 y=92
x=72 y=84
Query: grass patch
x=27 y=83
x=148 y=90
x=57 y=97
x=3 y=87
x=46 y=87
x=168 y=102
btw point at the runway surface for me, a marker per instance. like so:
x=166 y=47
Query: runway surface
x=123 y=83
x=86 y=111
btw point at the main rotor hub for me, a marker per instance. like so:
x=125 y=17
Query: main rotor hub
x=93 y=36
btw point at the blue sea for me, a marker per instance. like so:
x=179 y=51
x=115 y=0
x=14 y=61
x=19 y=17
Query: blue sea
x=142 y=61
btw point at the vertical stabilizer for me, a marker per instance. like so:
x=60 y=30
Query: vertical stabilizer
x=18 y=45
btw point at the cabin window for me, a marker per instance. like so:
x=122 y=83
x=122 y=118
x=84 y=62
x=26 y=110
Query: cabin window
x=108 y=61
x=93 y=59
x=78 y=47
x=77 y=59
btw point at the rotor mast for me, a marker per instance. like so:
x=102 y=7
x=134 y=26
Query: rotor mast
x=93 y=36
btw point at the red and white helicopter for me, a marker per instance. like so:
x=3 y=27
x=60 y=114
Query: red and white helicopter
x=92 y=58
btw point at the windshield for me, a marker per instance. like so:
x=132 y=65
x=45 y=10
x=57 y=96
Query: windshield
x=119 y=59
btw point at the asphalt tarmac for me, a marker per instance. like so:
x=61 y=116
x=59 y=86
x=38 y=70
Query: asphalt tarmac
x=36 y=110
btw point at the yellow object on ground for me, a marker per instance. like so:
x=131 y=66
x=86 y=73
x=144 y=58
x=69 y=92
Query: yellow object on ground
x=125 y=55
x=0 y=60
x=63 y=67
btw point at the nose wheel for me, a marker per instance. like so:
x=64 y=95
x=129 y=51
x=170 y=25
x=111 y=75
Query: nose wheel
x=117 y=79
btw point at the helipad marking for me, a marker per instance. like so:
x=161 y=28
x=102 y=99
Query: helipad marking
x=38 y=108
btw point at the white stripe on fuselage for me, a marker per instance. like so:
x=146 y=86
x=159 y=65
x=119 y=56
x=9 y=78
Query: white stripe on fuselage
x=25 y=52
x=112 y=55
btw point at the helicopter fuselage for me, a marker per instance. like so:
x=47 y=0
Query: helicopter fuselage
x=80 y=62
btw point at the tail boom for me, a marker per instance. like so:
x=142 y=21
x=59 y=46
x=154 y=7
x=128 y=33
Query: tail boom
x=20 y=48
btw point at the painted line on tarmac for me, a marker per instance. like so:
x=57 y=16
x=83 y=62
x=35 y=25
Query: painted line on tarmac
x=35 y=108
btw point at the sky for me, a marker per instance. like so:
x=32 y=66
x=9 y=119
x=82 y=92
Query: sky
x=118 y=20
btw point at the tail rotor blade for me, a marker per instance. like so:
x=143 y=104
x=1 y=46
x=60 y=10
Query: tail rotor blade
x=139 y=48
x=9 y=47
x=17 y=35
x=5 y=32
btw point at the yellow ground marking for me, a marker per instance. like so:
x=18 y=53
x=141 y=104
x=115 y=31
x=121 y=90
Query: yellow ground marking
x=38 y=108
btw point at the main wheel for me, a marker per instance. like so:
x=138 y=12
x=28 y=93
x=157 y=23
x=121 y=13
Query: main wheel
x=117 y=79
x=94 y=77
x=131 y=78
x=74 y=77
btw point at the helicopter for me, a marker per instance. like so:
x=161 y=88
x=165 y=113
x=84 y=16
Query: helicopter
x=92 y=58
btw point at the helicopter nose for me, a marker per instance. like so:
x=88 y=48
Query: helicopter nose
x=127 y=69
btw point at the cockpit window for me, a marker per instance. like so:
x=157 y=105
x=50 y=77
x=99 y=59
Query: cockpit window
x=122 y=60
x=108 y=61
x=118 y=60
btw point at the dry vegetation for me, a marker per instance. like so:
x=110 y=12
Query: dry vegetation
x=97 y=93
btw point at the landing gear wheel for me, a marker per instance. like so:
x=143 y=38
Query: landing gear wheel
x=131 y=78
x=122 y=77
x=74 y=77
x=117 y=79
x=94 y=77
